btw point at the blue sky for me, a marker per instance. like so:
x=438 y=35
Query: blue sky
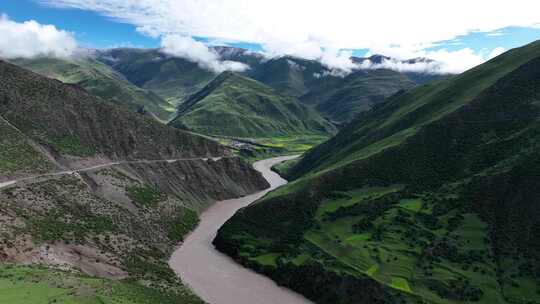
x=508 y=37
x=269 y=28
x=90 y=29
x=96 y=31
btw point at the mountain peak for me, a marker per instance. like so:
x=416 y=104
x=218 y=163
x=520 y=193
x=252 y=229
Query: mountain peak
x=227 y=74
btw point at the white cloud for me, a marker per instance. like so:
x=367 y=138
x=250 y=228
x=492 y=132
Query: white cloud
x=312 y=28
x=442 y=61
x=196 y=51
x=338 y=60
x=312 y=49
x=31 y=39
x=397 y=65
x=294 y=65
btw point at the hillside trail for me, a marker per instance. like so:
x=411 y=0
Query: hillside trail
x=105 y=165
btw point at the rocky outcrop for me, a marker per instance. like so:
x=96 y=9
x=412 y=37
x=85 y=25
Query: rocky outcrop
x=201 y=181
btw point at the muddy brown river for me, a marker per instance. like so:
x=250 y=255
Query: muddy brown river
x=215 y=277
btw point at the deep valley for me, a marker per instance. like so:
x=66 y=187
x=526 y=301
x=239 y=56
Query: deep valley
x=220 y=152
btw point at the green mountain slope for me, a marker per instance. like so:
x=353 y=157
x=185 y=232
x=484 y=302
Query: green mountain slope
x=234 y=105
x=431 y=197
x=405 y=113
x=40 y=284
x=100 y=80
x=289 y=75
x=172 y=78
x=337 y=97
x=341 y=100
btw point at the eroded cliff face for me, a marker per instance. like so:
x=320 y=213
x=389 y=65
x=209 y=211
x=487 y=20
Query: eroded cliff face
x=116 y=222
x=201 y=182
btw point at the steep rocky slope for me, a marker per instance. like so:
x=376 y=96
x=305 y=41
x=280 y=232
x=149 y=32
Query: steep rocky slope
x=19 y=156
x=73 y=125
x=117 y=222
x=431 y=197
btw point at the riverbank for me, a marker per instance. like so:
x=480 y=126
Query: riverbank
x=215 y=277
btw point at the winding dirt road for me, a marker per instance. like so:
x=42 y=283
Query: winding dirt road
x=215 y=277
x=106 y=165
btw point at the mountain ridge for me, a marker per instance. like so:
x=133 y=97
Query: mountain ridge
x=421 y=199
x=100 y=80
x=166 y=75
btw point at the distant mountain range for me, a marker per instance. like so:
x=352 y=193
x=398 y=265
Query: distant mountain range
x=430 y=197
x=149 y=81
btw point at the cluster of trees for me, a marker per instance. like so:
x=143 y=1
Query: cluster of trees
x=363 y=225
x=459 y=289
x=368 y=208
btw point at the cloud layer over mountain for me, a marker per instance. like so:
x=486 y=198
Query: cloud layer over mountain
x=440 y=61
x=196 y=51
x=318 y=29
